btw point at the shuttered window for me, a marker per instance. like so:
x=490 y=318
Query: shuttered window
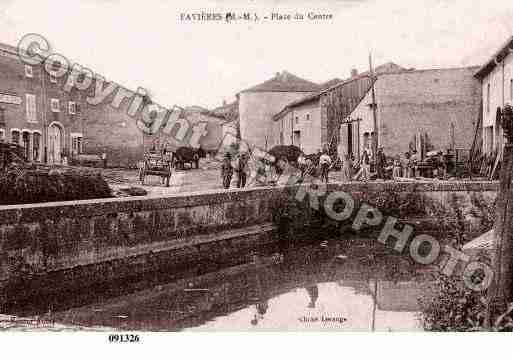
x=31 y=107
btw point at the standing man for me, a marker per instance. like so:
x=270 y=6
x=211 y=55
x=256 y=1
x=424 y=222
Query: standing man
x=380 y=163
x=227 y=170
x=325 y=163
x=242 y=168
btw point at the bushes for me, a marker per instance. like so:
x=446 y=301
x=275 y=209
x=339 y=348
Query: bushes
x=456 y=308
x=30 y=185
x=452 y=308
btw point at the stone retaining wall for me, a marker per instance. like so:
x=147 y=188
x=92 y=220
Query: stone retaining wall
x=112 y=238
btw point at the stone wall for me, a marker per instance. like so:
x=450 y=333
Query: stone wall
x=420 y=101
x=428 y=101
x=98 y=240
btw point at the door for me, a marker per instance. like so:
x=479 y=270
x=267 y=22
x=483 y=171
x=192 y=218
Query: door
x=54 y=144
x=349 y=139
x=25 y=142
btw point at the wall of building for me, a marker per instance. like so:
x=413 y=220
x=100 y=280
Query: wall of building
x=210 y=140
x=436 y=102
x=424 y=101
x=101 y=128
x=361 y=121
x=305 y=118
x=256 y=110
x=497 y=90
x=337 y=103
x=15 y=115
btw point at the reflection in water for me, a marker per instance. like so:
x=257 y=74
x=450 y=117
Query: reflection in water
x=312 y=287
x=313 y=292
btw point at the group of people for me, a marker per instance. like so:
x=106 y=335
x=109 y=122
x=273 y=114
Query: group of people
x=377 y=166
x=239 y=164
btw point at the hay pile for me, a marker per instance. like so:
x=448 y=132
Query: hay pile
x=20 y=185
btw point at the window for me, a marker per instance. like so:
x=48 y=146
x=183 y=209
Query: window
x=15 y=137
x=53 y=79
x=76 y=143
x=29 y=72
x=25 y=143
x=297 y=120
x=72 y=107
x=77 y=107
x=30 y=107
x=2 y=135
x=488 y=98
x=308 y=117
x=54 y=105
x=511 y=90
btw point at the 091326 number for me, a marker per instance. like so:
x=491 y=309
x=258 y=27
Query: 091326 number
x=124 y=338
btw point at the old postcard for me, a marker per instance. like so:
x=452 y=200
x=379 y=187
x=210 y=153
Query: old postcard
x=221 y=166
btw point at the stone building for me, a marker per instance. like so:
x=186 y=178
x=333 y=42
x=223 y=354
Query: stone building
x=439 y=105
x=299 y=124
x=213 y=126
x=496 y=77
x=35 y=113
x=258 y=105
x=312 y=122
x=50 y=123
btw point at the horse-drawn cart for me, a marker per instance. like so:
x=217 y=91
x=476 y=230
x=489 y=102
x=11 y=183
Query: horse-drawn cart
x=156 y=165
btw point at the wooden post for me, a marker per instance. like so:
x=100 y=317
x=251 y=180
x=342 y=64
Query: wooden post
x=501 y=291
x=374 y=114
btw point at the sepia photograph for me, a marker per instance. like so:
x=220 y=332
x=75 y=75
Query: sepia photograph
x=320 y=167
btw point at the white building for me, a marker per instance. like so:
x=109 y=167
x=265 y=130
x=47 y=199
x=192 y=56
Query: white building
x=258 y=105
x=497 y=84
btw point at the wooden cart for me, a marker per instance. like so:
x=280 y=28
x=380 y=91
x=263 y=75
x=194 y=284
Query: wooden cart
x=156 y=165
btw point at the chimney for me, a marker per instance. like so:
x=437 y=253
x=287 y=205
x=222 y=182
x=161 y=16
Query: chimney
x=354 y=72
x=277 y=75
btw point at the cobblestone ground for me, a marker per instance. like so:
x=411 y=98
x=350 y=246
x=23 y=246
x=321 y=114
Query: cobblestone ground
x=207 y=177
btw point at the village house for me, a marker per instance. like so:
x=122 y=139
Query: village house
x=258 y=105
x=52 y=124
x=215 y=125
x=415 y=110
x=312 y=122
x=496 y=77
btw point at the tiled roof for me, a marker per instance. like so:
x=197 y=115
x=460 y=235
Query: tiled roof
x=285 y=82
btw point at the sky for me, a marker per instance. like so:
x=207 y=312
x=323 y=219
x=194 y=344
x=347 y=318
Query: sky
x=145 y=44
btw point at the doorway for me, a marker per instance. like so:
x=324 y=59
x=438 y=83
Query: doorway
x=55 y=142
x=350 y=139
